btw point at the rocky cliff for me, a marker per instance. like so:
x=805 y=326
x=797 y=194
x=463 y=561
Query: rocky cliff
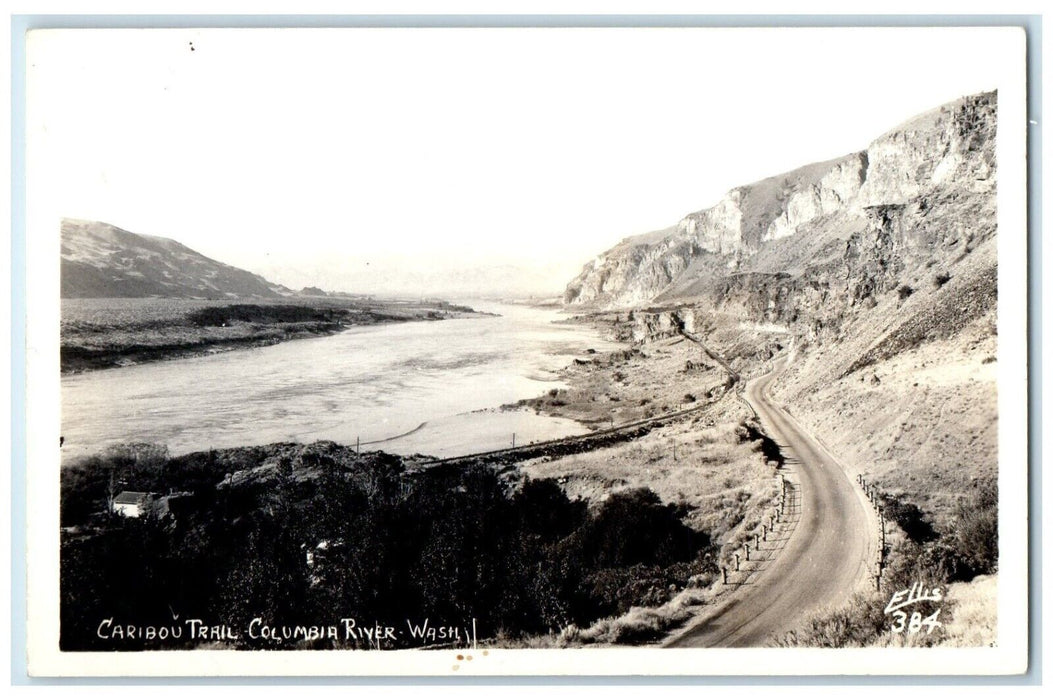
x=871 y=205
x=875 y=275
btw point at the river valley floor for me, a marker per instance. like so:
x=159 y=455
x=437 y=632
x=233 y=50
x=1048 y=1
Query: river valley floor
x=699 y=448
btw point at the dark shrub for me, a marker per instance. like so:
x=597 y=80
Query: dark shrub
x=257 y=313
x=635 y=527
x=544 y=509
x=909 y=518
x=976 y=533
x=84 y=490
x=360 y=535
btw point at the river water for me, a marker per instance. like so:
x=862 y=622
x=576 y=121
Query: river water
x=422 y=387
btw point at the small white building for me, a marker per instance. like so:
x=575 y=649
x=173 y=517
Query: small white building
x=132 y=504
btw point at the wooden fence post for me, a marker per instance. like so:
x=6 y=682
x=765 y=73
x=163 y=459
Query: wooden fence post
x=882 y=564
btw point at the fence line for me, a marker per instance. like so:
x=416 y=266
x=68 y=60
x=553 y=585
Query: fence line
x=777 y=526
x=876 y=500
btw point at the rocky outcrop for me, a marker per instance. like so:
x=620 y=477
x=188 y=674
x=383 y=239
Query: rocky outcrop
x=633 y=270
x=949 y=146
x=874 y=209
x=655 y=325
x=833 y=191
x=875 y=276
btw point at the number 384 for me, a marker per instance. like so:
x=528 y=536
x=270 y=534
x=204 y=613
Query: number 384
x=915 y=623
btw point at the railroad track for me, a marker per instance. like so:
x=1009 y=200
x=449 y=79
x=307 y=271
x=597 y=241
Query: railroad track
x=602 y=435
x=631 y=429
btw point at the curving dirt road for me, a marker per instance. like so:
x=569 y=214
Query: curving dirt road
x=817 y=556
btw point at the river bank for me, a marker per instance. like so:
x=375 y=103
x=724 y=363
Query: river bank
x=367 y=384
x=696 y=460
x=709 y=459
x=103 y=333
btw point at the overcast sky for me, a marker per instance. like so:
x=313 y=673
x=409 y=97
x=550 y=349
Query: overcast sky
x=457 y=162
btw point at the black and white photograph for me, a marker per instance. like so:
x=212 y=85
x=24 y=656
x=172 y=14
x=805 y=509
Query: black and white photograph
x=502 y=350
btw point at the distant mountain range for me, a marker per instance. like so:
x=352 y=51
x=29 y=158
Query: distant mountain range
x=101 y=260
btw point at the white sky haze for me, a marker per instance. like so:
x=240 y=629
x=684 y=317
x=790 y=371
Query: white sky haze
x=456 y=162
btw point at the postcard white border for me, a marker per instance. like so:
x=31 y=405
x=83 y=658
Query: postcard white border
x=1009 y=657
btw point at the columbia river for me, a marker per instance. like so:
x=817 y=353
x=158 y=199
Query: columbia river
x=421 y=387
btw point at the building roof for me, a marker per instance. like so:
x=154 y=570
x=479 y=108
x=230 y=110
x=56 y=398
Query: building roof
x=131 y=498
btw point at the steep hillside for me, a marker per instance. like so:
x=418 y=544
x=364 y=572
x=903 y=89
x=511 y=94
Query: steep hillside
x=878 y=273
x=100 y=260
x=803 y=218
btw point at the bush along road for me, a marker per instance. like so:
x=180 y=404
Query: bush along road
x=816 y=557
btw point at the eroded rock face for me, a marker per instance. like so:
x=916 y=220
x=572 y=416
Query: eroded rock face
x=654 y=325
x=875 y=276
x=886 y=194
x=634 y=269
x=834 y=190
x=718 y=229
x=952 y=145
